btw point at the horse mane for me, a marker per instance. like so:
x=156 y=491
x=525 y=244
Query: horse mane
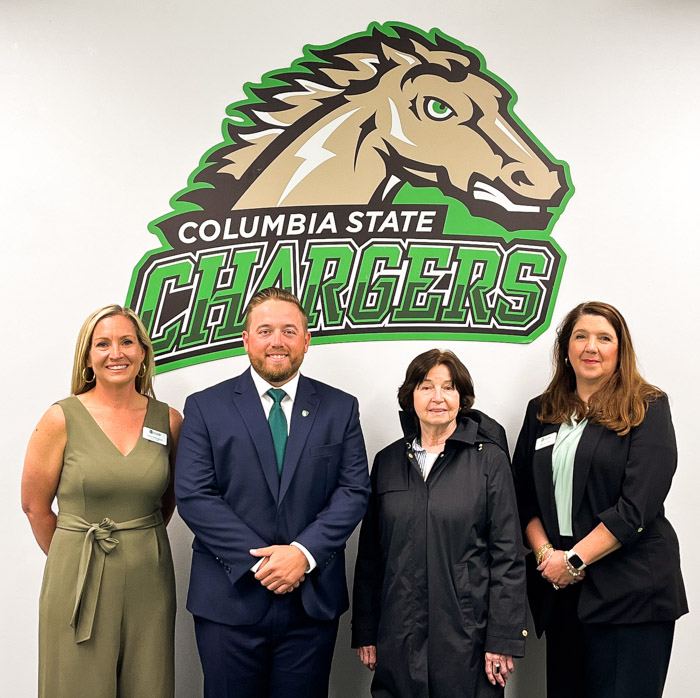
x=287 y=101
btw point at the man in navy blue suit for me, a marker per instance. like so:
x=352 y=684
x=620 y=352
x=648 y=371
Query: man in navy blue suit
x=272 y=478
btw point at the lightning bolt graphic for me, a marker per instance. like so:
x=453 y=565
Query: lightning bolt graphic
x=313 y=154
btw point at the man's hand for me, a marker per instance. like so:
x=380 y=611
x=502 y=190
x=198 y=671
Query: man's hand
x=282 y=568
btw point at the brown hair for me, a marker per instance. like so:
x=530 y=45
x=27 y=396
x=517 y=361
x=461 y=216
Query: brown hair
x=621 y=402
x=420 y=366
x=144 y=384
x=273 y=293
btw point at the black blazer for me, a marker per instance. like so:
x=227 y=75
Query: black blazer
x=621 y=481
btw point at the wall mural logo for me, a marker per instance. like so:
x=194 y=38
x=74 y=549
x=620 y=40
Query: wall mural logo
x=383 y=178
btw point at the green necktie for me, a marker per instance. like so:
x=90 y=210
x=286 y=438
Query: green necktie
x=278 y=425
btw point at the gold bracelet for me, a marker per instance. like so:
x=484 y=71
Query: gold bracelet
x=539 y=555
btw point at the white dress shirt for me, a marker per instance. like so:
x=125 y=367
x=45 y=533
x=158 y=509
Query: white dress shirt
x=287 y=404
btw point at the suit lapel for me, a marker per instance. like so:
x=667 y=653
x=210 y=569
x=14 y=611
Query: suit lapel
x=248 y=403
x=542 y=473
x=304 y=413
x=582 y=463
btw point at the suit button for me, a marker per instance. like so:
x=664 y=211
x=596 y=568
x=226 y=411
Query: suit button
x=524 y=633
x=640 y=529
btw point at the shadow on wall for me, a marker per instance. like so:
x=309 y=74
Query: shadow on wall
x=188 y=671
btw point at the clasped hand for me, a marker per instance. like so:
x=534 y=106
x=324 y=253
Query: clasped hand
x=554 y=570
x=368 y=656
x=282 y=569
x=498 y=667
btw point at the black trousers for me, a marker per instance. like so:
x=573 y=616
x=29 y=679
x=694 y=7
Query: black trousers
x=601 y=660
x=285 y=655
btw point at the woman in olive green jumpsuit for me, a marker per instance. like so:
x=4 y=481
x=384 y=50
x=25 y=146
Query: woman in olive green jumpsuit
x=107 y=608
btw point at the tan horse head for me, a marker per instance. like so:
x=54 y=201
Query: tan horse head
x=355 y=121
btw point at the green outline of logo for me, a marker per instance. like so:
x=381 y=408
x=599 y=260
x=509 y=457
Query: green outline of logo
x=459 y=220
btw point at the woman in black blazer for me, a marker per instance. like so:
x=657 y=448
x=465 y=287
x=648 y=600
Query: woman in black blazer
x=593 y=465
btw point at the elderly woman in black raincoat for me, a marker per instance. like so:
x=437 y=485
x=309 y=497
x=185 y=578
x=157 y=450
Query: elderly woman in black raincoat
x=439 y=604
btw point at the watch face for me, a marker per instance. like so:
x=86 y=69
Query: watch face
x=575 y=561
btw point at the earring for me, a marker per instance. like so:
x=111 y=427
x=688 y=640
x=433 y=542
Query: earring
x=143 y=368
x=85 y=378
x=566 y=360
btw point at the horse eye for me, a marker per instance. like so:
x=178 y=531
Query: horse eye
x=437 y=110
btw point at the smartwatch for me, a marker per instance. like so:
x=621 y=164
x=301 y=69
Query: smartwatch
x=575 y=561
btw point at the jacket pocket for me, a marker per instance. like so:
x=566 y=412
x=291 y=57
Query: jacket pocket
x=463 y=591
x=327 y=458
x=331 y=451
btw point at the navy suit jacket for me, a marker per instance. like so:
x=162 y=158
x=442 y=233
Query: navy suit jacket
x=230 y=495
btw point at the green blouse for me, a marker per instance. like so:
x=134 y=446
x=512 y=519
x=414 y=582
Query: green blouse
x=563 y=455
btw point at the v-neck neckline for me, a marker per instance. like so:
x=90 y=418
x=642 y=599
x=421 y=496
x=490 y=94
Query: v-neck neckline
x=102 y=431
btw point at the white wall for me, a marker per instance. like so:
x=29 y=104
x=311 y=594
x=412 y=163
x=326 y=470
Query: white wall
x=108 y=106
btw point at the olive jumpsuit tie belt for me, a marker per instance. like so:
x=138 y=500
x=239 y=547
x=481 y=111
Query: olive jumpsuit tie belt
x=96 y=546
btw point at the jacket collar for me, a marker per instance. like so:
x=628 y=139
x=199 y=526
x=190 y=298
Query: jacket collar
x=472 y=427
x=247 y=401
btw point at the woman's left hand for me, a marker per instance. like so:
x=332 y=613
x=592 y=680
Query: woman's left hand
x=499 y=667
x=554 y=570
x=368 y=656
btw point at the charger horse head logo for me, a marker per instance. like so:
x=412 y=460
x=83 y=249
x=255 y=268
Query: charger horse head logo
x=351 y=123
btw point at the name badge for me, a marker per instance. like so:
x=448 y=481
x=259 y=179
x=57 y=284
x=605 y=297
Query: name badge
x=152 y=435
x=545 y=441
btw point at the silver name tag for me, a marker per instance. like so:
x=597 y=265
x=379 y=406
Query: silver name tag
x=545 y=441
x=152 y=435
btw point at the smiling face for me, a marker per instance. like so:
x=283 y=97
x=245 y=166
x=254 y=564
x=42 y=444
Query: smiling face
x=276 y=341
x=436 y=400
x=593 y=353
x=115 y=352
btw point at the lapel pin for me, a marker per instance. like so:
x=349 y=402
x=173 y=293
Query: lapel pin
x=305 y=413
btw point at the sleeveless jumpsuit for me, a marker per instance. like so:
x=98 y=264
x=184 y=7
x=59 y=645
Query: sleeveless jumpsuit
x=107 y=606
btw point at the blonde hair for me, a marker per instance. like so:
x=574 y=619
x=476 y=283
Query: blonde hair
x=144 y=383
